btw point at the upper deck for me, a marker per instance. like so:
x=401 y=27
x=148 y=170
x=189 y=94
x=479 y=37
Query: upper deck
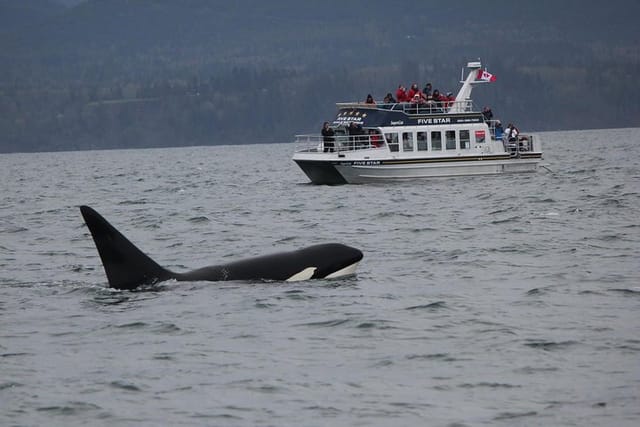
x=406 y=114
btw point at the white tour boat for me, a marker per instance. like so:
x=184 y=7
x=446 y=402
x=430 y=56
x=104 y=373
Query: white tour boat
x=403 y=141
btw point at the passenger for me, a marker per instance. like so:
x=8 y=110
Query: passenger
x=351 y=130
x=328 y=138
x=499 y=131
x=374 y=138
x=437 y=99
x=428 y=90
x=449 y=100
x=418 y=99
x=511 y=133
x=523 y=142
x=487 y=113
x=355 y=133
x=369 y=100
x=401 y=94
x=412 y=92
x=389 y=99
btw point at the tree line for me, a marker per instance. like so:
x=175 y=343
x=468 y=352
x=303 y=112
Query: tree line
x=157 y=73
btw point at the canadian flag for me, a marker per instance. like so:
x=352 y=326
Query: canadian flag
x=486 y=76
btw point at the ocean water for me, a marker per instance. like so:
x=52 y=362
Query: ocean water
x=498 y=300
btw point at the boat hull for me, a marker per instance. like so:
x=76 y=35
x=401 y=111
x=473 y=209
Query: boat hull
x=321 y=172
x=336 y=172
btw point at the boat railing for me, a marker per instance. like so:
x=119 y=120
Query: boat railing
x=492 y=129
x=336 y=144
x=515 y=146
x=411 y=108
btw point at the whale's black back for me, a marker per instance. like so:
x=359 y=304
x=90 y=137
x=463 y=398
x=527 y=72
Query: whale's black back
x=126 y=266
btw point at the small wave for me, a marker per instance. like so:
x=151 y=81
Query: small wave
x=375 y=324
x=611 y=202
x=286 y=239
x=488 y=385
x=109 y=299
x=611 y=237
x=6 y=250
x=326 y=323
x=484 y=196
x=260 y=304
x=512 y=415
x=71 y=408
x=133 y=325
x=15 y=354
x=589 y=292
x=78 y=268
x=500 y=211
x=199 y=219
x=383 y=363
x=10 y=229
x=8 y=385
x=535 y=369
x=550 y=345
x=216 y=416
x=629 y=347
x=422 y=230
x=125 y=386
x=432 y=306
x=163 y=356
x=506 y=220
x=582 y=171
x=325 y=411
x=445 y=357
x=392 y=214
x=133 y=202
x=631 y=226
x=629 y=291
x=411 y=406
x=297 y=295
x=166 y=328
x=267 y=388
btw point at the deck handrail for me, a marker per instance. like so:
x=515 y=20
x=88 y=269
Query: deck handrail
x=316 y=143
x=410 y=108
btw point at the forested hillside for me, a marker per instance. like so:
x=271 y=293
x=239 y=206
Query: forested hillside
x=119 y=73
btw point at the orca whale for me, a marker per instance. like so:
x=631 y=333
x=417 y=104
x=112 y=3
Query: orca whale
x=127 y=267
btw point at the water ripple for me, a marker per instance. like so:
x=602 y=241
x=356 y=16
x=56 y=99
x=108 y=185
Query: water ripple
x=550 y=345
x=484 y=293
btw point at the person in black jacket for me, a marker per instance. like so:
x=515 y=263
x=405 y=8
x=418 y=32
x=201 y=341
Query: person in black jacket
x=328 y=138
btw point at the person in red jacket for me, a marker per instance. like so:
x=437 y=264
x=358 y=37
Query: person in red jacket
x=412 y=92
x=401 y=94
x=450 y=99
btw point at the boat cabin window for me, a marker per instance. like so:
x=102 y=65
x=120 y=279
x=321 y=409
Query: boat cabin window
x=450 y=138
x=407 y=141
x=392 y=141
x=422 y=141
x=465 y=140
x=436 y=141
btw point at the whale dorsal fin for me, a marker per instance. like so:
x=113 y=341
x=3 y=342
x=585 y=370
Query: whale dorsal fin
x=126 y=266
